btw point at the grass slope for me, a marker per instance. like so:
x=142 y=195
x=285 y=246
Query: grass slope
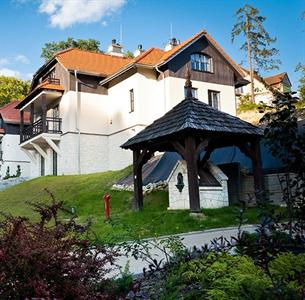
x=85 y=193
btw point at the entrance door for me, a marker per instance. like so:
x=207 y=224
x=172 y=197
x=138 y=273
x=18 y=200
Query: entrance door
x=54 y=163
x=42 y=166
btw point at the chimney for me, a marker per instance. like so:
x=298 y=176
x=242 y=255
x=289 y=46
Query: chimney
x=171 y=44
x=138 y=51
x=115 y=48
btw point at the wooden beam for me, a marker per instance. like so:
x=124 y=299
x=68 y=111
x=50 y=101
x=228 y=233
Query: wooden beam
x=191 y=158
x=140 y=157
x=179 y=148
x=258 y=174
x=203 y=145
x=44 y=112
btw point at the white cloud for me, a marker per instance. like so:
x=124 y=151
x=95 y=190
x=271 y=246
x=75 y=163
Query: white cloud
x=65 y=13
x=104 y=23
x=10 y=73
x=22 y=59
x=4 y=61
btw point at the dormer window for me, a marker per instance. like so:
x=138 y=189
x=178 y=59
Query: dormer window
x=201 y=62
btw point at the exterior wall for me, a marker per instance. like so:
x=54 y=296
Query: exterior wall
x=93 y=154
x=175 y=93
x=260 y=92
x=13 y=156
x=210 y=197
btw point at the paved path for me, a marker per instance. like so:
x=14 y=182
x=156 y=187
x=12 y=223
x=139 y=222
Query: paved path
x=191 y=239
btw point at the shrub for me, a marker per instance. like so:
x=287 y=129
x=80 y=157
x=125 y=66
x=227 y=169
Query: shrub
x=51 y=259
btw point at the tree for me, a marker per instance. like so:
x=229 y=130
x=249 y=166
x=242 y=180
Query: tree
x=128 y=54
x=51 y=48
x=301 y=87
x=12 y=88
x=257 y=42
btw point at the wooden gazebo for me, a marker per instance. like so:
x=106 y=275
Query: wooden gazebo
x=194 y=130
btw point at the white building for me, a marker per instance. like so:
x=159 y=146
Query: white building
x=263 y=87
x=11 y=155
x=84 y=105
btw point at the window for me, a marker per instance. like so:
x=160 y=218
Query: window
x=201 y=62
x=214 y=99
x=194 y=92
x=131 y=97
x=239 y=90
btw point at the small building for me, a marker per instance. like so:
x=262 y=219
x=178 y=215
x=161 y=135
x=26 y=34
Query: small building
x=11 y=155
x=264 y=87
x=213 y=188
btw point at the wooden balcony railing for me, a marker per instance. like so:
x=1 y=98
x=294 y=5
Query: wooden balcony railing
x=52 y=80
x=51 y=125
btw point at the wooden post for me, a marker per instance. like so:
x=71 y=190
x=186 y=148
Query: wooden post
x=21 y=125
x=32 y=114
x=191 y=158
x=137 y=181
x=44 y=113
x=258 y=174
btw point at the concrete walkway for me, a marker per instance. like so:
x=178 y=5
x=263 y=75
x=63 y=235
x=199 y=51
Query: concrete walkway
x=191 y=239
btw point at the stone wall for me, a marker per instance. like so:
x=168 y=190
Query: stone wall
x=272 y=187
x=210 y=197
x=4 y=184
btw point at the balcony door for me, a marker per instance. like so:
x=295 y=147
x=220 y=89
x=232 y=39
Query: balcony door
x=56 y=125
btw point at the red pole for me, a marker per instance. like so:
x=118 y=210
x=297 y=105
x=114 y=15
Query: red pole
x=107 y=206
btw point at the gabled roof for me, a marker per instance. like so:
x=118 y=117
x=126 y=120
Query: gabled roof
x=275 y=79
x=10 y=114
x=154 y=57
x=192 y=115
x=91 y=62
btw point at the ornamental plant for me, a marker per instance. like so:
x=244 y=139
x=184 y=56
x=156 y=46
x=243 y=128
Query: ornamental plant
x=52 y=259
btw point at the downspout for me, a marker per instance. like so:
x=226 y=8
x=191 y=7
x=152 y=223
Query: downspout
x=164 y=90
x=77 y=120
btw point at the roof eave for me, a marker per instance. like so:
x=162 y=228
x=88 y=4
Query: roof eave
x=178 y=52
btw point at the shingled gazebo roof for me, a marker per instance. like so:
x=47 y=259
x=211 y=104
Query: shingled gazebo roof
x=196 y=117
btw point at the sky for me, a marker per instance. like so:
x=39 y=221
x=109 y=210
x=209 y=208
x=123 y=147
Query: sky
x=26 y=25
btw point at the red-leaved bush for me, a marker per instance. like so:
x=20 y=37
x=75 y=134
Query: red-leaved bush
x=51 y=259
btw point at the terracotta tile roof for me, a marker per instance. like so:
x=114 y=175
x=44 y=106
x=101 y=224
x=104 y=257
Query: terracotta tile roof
x=150 y=57
x=182 y=45
x=10 y=114
x=156 y=56
x=42 y=86
x=91 y=62
x=275 y=79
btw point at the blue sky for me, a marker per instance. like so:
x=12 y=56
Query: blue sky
x=25 y=25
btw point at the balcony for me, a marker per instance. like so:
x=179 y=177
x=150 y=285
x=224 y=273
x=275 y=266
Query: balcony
x=49 y=125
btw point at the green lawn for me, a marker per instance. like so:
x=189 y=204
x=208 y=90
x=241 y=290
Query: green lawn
x=85 y=192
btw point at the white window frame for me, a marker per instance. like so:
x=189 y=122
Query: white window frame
x=214 y=102
x=201 y=62
x=131 y=100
